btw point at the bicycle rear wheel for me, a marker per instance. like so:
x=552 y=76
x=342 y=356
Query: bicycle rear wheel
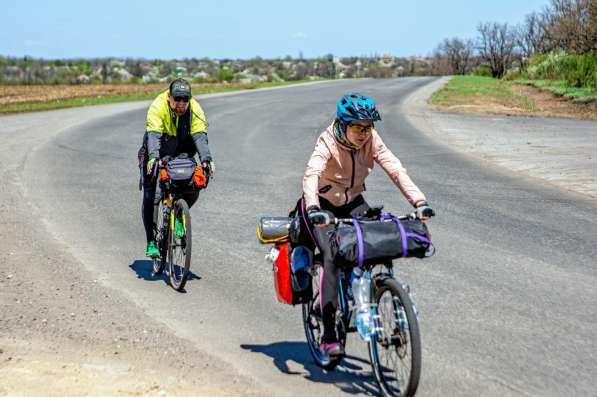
x=313 y=324
x=179 y=247
x=395 y=350
x=161 y=236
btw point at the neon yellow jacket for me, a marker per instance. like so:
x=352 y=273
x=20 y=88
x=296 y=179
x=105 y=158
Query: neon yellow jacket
x=161 y=118
x=163 y=127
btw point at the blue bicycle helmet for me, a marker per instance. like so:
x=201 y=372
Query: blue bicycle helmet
x=355 y=107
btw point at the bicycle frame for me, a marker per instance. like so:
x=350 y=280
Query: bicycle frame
x=347 y=303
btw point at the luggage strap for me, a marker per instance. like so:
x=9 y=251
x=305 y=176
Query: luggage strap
x=282 y=239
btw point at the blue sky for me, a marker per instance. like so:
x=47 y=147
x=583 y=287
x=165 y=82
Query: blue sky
x=231 y=29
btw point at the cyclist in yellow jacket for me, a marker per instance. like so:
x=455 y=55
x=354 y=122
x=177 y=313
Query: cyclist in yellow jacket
x=176 y=124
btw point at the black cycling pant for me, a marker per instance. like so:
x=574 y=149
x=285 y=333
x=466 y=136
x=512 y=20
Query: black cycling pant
x=329 y=277
x=151 y=198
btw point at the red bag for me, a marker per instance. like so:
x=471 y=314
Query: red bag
x=281 y=270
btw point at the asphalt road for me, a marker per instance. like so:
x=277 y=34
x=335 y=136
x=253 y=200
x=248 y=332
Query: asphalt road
x=508 y=303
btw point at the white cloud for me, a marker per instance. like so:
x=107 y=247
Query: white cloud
x=299 y=35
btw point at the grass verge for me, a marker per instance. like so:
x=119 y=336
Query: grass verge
x=478 y=92
x=100 y=100
x=560 y=88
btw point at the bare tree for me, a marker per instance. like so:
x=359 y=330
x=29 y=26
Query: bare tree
x=458 y=54
x=571 y=25
x=531 y=37
x=496 y=46
x=105 y=71
x=439 y=63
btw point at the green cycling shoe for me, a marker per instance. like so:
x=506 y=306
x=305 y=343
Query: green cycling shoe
x=152 y=250
x=179 y=228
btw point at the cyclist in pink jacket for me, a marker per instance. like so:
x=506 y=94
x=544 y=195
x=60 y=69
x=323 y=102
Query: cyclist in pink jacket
x=333 y=182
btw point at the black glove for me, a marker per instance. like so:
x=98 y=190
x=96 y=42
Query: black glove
x=424 y=211
x=319 y=217
x=209 y=166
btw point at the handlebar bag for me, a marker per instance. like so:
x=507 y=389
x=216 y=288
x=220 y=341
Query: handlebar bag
x=374 y=241
x=181 y=171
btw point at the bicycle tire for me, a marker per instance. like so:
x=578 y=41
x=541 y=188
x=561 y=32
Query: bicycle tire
x=180 y=248
x=161 y=239
x=395 y=342
x=313 y=325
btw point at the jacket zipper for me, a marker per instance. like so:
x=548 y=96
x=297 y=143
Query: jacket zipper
x=351 y=178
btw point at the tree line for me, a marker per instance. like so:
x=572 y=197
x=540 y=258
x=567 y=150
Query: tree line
x=27 y=70
x=563 y=34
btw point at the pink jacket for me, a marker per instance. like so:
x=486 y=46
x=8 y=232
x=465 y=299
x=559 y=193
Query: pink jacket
x=338 y=174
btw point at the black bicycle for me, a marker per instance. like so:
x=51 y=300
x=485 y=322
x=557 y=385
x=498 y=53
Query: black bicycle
x=395 y=343
x=173 y=228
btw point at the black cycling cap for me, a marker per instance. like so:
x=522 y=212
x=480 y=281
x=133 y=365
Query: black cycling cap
x=180 y=88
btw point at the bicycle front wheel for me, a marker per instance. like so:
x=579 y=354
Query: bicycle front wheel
x=395 y=350
x=180 y=243
x=160 y=215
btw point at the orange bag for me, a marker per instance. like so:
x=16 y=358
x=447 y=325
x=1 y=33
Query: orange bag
x=199 y=177
x=164 y=175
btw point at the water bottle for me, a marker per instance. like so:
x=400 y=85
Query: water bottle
x=361 y=289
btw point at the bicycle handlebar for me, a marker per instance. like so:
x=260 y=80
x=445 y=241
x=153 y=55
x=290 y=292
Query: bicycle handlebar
x=161 y=163
x=336 y=221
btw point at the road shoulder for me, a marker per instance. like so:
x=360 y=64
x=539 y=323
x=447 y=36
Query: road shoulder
x=561 y=152
x=62 y=331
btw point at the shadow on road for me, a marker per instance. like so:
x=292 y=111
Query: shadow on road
x=144 y=269
x=352 y=375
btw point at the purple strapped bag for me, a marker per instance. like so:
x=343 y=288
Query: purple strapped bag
x=373 y=241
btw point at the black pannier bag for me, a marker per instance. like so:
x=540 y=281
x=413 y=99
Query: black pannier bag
x=180 y=171
x=374 y=241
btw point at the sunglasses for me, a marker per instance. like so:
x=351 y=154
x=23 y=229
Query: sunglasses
x=361 y=129
x=181 y=99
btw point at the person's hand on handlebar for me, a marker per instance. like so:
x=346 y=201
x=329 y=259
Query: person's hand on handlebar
x=150 y=163
x=319 y=217
x=424 y=211
x=209 y=167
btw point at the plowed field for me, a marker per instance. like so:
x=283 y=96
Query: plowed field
x=19 y=94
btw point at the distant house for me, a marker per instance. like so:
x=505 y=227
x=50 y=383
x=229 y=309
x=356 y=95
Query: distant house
x=122 y=74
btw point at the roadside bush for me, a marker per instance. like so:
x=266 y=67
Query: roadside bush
x=225 y=74
x=536 y=59
x=516 y=75
x=580 y=70
x=483 y=71
x=549 y=68
x=574 y=70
